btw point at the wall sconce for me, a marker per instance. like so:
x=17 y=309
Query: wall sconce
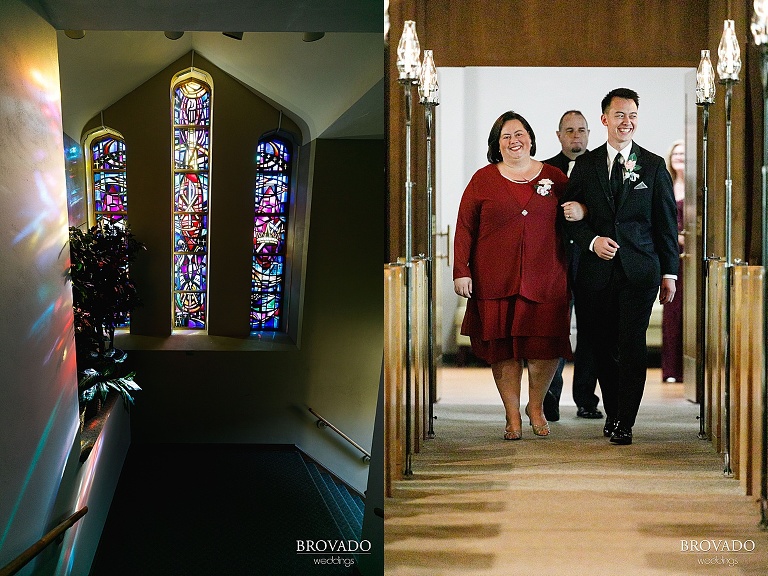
x=74 y=34
x=428 y=87
x=759 y=25
x=235 y=35
x=728 y=53
x=408 y=54
x=705 y=80
x=173 y=35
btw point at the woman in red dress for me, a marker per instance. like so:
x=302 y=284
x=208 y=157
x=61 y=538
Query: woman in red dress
x=510 y=264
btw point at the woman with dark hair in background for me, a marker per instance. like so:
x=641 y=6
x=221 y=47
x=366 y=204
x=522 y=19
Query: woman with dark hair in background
x=672 y=317
x=510 y=264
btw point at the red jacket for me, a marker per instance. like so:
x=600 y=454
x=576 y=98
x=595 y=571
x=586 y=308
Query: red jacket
x=508 y=248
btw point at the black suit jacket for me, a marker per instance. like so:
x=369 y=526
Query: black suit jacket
x=643 y=223
x=560 y=161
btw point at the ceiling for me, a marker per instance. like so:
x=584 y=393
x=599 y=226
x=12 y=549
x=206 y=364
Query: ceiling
x=333 y=87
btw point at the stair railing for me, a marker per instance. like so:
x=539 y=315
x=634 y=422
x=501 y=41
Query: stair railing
x=29 y=554
x=323 y=423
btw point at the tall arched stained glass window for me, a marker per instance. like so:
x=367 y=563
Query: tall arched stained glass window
x=271 y=195
x=106 y=175
x=106 y=178
x=192 y=95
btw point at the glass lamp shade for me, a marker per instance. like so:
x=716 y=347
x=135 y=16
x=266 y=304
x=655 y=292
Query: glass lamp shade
x=408 y=54
x=428 y=88
x=759 y=25
x=728 y=53
x=705 y=80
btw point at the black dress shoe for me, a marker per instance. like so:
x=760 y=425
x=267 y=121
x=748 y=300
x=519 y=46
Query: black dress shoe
x=622 y=435
x=551 y=407
x=592 y=413
x=610 y=426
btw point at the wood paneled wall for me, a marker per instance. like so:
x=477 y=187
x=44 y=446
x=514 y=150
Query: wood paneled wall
x=596 y=33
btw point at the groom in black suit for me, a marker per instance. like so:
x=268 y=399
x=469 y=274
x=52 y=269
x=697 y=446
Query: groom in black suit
x=629 y=253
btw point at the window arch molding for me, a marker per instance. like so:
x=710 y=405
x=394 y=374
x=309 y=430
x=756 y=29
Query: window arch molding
x=106 y=153
x=231 y=226
x=273 y=264
x=191 y=93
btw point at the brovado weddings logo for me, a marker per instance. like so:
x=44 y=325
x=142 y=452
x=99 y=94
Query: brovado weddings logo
x=724 y=550
x=334 y=552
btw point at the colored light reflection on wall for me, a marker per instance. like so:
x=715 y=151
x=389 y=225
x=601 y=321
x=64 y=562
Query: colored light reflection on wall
x=42 y=217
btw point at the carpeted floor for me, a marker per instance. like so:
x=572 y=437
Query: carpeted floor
x=570 y=504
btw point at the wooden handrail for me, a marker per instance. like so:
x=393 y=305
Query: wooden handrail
x=25 y=557
x=322 y=422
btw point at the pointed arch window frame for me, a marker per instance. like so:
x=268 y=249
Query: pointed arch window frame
x=88 y=139
x=194 y=74
x=286 y=215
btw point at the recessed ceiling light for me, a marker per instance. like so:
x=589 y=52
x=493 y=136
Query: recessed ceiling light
x=312 y=36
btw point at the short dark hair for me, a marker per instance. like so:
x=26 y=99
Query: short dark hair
x=576 y=113
x=494 y=152
x=625 y=93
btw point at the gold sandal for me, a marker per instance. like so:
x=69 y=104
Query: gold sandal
x=538 y=429
x=514 y=434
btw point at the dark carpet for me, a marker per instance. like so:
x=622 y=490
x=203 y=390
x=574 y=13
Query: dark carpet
x=223 y=510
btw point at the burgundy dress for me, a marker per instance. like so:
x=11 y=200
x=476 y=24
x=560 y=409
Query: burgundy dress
x=507 y=240
x=672 y=323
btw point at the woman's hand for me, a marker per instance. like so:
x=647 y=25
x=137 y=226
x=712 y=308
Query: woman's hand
x=574 y=211
x=463 y=286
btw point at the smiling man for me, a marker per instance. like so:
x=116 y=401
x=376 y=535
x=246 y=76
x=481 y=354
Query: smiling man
x=629 y=253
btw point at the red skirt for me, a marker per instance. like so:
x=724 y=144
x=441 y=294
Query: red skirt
x=514 y=327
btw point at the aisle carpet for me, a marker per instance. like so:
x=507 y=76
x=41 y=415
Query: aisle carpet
x=570 y=504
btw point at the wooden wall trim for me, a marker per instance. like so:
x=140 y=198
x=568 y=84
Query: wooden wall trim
x=542 y=33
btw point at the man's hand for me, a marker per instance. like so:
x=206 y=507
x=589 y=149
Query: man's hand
x=574 y=211
x=463 y=286
x=667 y=290
x=606 y=248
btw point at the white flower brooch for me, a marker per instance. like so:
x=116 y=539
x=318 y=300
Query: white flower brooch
x=544 y=186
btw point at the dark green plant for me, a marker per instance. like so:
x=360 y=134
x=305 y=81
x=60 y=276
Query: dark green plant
x=103 y=296
x=104 y=372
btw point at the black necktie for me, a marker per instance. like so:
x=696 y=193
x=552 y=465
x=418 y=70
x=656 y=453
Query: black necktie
x=617 y=178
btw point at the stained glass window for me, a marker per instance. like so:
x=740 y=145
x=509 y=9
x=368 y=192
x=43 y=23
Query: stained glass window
x=192 y=95
x=108 y=178
x=271 y=196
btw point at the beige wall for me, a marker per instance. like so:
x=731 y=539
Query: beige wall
x=224 y=395
x=38 y=387
x=239 y=118
x=209 y=396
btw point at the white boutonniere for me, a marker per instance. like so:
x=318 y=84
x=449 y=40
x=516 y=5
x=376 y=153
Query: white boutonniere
x=544 y=186
x=631 y=168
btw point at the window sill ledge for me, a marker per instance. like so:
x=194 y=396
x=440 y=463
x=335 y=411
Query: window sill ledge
x=191 y=341
x=93 y=426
